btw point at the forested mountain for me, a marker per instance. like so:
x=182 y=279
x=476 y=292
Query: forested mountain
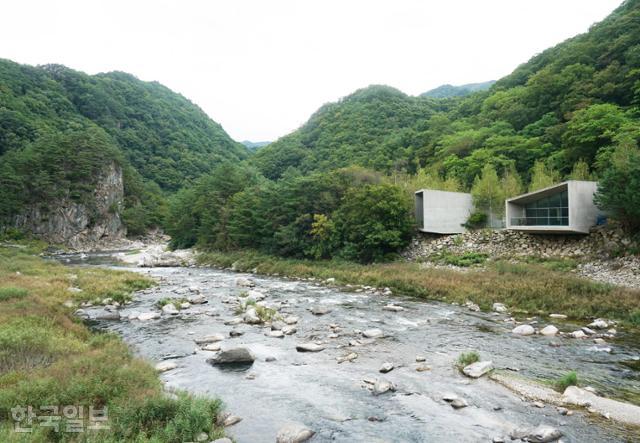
x=571 y=102
x=364 y=128
x=448 y=91
x=59 y=128
x=254 y=146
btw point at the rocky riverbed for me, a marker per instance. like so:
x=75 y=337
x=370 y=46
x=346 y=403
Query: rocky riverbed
x=361 y=366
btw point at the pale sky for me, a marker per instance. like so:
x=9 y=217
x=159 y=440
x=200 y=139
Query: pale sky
x=261 y=68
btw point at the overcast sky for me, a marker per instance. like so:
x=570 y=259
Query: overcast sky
x=260 y=68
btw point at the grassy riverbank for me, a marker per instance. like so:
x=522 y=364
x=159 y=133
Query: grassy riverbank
x=526 y=288
x=48 y=358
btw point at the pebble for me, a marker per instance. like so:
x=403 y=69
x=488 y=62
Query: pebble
x=386 y=367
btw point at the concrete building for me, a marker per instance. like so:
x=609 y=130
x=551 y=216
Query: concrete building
x=442 y=212
x=565 y=208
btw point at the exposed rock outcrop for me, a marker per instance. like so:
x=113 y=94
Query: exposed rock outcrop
x=79 y=224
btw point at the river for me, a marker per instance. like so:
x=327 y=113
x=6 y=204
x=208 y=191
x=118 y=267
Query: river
x=332 y=398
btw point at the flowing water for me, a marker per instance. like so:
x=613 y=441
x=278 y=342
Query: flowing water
x=332 y=398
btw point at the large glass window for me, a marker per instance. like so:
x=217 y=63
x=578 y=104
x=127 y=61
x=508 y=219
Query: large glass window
x=548 y=211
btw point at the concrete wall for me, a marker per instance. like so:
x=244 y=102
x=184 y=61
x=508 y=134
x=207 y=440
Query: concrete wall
x=583 y=212
x=443 y=212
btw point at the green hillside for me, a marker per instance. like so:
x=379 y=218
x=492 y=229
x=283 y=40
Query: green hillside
x=59 y=128
x=361 y=129
x=571 y=102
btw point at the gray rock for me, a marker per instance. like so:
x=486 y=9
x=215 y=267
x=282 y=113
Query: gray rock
x=373 y=333
x=382 y=386
x=235 y=333
x=477 y=369
x=549 y=331
x=420 y=358
x=599 y=324
x=558 y=316
x=148 y=316
x=578 y=334
x=320 y=310
x=222 y=440
x=244 y=282
x=294 y=433
x=288 y=330
x=166 y=365
x=392 y=308
x=523 y=330
x=459 y=403
x=499 y=307
x=588 y=331
x=386 y=367
x=291 y=320
x=170 y=309
x=251 y=317
x=309 y=347
x=106 y=315
x=209 y=339
x=233 y=321
x=278 y=325
x=543 y=434
x=213 y=347
x=275 y=334
x=196 y=299
x=233 y=355
x=349 y=357
x=201 y=437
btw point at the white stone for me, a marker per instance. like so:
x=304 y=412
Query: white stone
x=499 y=307
x=166 y=365
x=373 y=333
x=578 y=334
x=549 y=330
x=149 y=316
x=477 y=369
x=294 y=433
x=523 y=330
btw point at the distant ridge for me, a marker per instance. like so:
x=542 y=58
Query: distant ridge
x=447 y=91
x=254 y=146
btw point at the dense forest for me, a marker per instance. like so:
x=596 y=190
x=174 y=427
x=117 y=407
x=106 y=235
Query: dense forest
x=59 y=128
x=341 y=185
x=566 y=104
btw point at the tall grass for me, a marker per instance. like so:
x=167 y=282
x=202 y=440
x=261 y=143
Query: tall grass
x=524 y=287
x=47 y=357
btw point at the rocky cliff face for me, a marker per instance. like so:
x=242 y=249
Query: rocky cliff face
x=80 y=225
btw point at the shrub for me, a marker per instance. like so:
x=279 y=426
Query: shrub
x=569 y=379
x=476 y=220
x=467 y=358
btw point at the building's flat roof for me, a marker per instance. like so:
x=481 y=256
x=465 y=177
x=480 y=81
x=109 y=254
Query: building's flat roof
x=544 y=192
x=438 y=190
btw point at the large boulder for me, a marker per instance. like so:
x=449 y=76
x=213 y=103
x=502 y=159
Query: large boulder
x=233 y=356
x=309 y=347
x=294 y=433
x=549 y=331
x=523 y=330
x=477 y=369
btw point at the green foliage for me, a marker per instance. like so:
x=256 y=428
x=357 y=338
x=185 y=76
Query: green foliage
x=476 y=220
x=373 y=222
x=569 y=379
x=349 y=213
x=461 y=260
x=60 y=129
x=567 y=104
x=619 y=187
x=9 y=292
x=487 y=192
x=542 y=177
x=467 y=358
